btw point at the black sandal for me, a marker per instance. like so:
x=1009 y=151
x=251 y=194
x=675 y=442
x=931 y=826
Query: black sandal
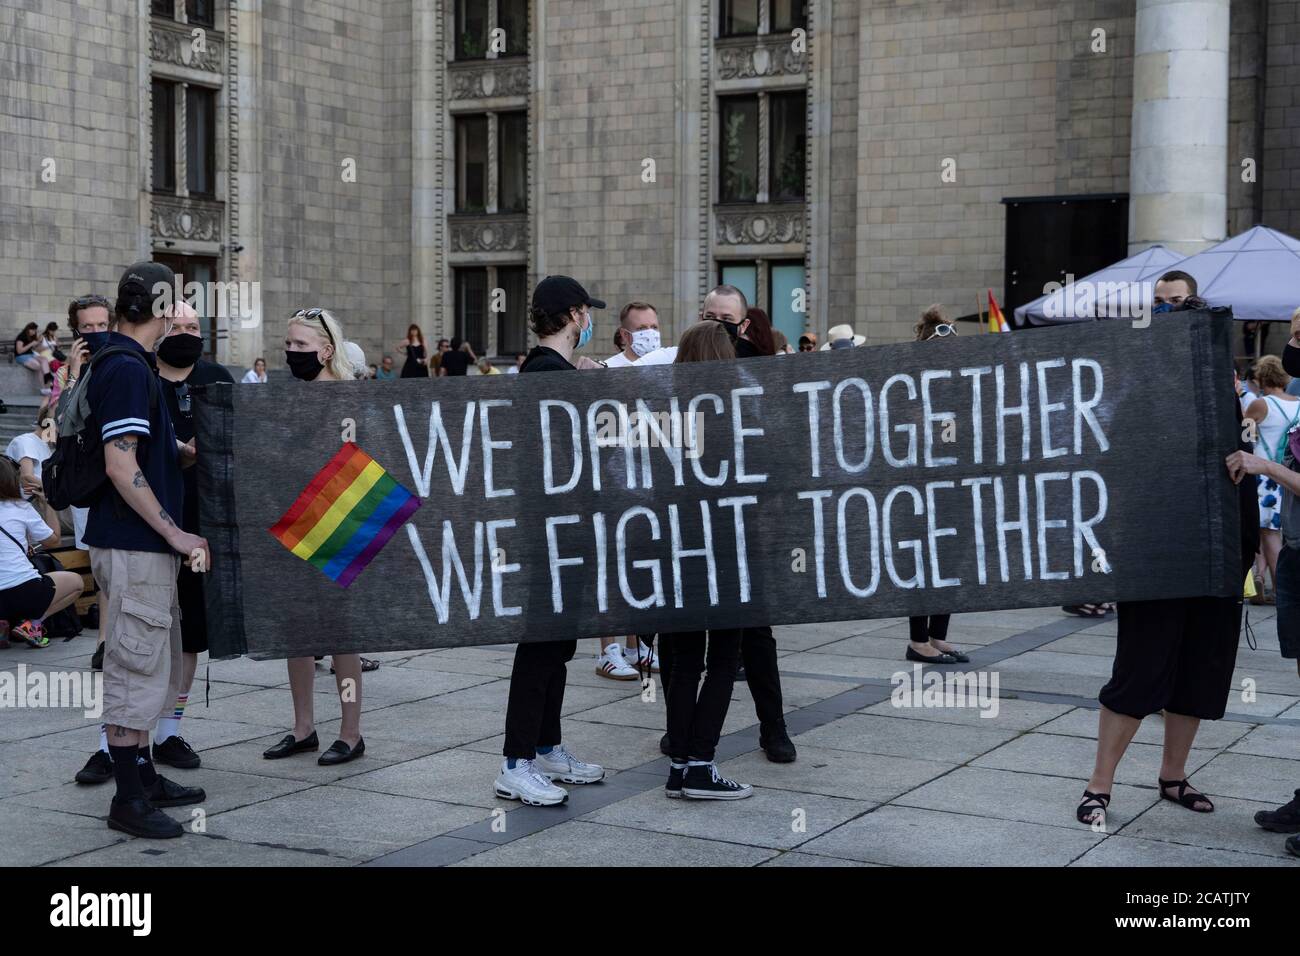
x=1188 y=800
x=1087 y=610
x=1092 y=802
x=367 y=665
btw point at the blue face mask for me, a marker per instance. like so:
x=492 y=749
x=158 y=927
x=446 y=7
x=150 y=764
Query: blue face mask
x=584 y=336
x=1163 y=307
x=95 y=340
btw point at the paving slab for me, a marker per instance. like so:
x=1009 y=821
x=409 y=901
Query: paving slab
x=1014 y=714
x=1230 y=827
x=1073 y=757
x=1213 y=734
x=952 y=744
x=871 y=778
x=579 y=843
x=1120 y=850
x=908 y=836
x=1249 y=777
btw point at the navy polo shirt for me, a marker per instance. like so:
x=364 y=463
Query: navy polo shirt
x=118 y=395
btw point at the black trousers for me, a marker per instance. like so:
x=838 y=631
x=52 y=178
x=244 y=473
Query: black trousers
x=758 y=650
x=696 y=713
x=536 y=696
x=922 y=629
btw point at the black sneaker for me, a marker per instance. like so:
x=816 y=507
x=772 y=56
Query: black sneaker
x=138 y=818
x=703 y=782
x=97 y=659
x=1285 y=819
x=777 y=745
x=98 y=769
x=167 y=793
x=175 y=752
x=663 y=746
x=673 y=788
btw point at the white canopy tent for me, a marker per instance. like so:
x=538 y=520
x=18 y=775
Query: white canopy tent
x=1077 y=302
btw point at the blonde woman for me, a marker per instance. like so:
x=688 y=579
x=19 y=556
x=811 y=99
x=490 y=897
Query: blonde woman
x=1275 y=413
x=314 y=352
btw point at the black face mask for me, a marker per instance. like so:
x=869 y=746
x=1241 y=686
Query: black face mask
x=180 y=351
x=733 y=329
x=303 y=365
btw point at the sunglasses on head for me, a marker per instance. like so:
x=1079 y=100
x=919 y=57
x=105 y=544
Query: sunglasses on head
x=86 y=301
x=316 y=314
x=942 y=330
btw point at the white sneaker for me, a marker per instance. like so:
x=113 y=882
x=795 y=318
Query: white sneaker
x=560 y=763
x=614 y=665
x=642 y=655
x=528 y=785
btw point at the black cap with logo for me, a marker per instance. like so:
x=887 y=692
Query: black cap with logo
x=556 y=294
x=135 y=290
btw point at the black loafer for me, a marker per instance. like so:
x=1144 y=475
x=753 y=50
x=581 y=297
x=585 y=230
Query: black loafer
x=168 y=793
x=958 y=656
x=97 y=659
x=138 y=818
x=912 y=655
x=291 y=745
x=340 y=752
x=778 y=746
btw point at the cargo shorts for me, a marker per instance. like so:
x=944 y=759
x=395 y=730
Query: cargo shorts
x=142 y=642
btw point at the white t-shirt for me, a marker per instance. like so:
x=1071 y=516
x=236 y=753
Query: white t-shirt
x=252 y=376
x=617 y=360
x=21 y=520
x=79 y=516
x=29 y=445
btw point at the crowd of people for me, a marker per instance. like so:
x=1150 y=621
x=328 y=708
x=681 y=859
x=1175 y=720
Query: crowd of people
x=127 y=380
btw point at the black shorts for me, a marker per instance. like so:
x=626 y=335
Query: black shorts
x=194 y=615
x=27 y=601
x=1175 y=655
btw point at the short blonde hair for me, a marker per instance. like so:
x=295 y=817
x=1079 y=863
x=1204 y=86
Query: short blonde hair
x=1270 y=374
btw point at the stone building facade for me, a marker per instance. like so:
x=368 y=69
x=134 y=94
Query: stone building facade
x=427 y=161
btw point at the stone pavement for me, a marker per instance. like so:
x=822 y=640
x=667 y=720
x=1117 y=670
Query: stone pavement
x=874 y=784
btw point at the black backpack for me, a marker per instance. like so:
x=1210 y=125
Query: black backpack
x=74 y=474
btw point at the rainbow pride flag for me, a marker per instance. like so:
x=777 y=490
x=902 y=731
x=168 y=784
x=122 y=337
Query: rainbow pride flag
x=346 y=515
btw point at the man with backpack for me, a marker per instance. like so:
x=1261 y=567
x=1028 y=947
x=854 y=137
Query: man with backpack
x=135 y=539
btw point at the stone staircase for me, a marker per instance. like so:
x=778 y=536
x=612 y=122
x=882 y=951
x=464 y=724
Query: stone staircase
x=18 y=389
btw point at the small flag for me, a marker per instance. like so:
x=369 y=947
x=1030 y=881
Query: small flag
x=346 y=515
x=996 y=322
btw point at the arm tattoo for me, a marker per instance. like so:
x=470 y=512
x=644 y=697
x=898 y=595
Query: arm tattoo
x=167 y=519
x=139 y=480
x=124 y=444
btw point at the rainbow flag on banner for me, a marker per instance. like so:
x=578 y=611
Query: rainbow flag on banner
x=996 y=322
x=346 y=515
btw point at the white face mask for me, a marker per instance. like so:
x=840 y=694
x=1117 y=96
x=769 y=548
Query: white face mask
x=645 y=341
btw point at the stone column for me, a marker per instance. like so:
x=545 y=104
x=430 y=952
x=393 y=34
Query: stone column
x=427 y=155
x=1178 y=154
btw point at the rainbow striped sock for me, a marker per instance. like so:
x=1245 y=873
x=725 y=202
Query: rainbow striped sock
x=169 y=727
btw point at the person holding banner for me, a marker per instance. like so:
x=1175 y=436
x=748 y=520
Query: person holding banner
x=927 y=634
x=534 y=752
x=697 y=712
x=314 y=353
x=1175 y=655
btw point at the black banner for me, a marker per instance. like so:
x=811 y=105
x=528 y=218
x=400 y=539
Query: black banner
x=1062 y=465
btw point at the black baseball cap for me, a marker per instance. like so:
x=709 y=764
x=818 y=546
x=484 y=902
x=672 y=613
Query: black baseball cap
x=556 y=294
x=135 y=290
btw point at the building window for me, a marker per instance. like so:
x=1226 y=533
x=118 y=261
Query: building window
x=739 y=17
x=203 y=270
x=200 y=12
x=164 y=136
x=471 y=29
x=201 y=141
x=163 y=8
x=784 y=284
x=512 y=17
x=512 y=153
x=471 y=163
x=777 y=297
x=789 y=136
x=789 y=15
x=512 y=323
x=739 y=161
x=471 y=308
